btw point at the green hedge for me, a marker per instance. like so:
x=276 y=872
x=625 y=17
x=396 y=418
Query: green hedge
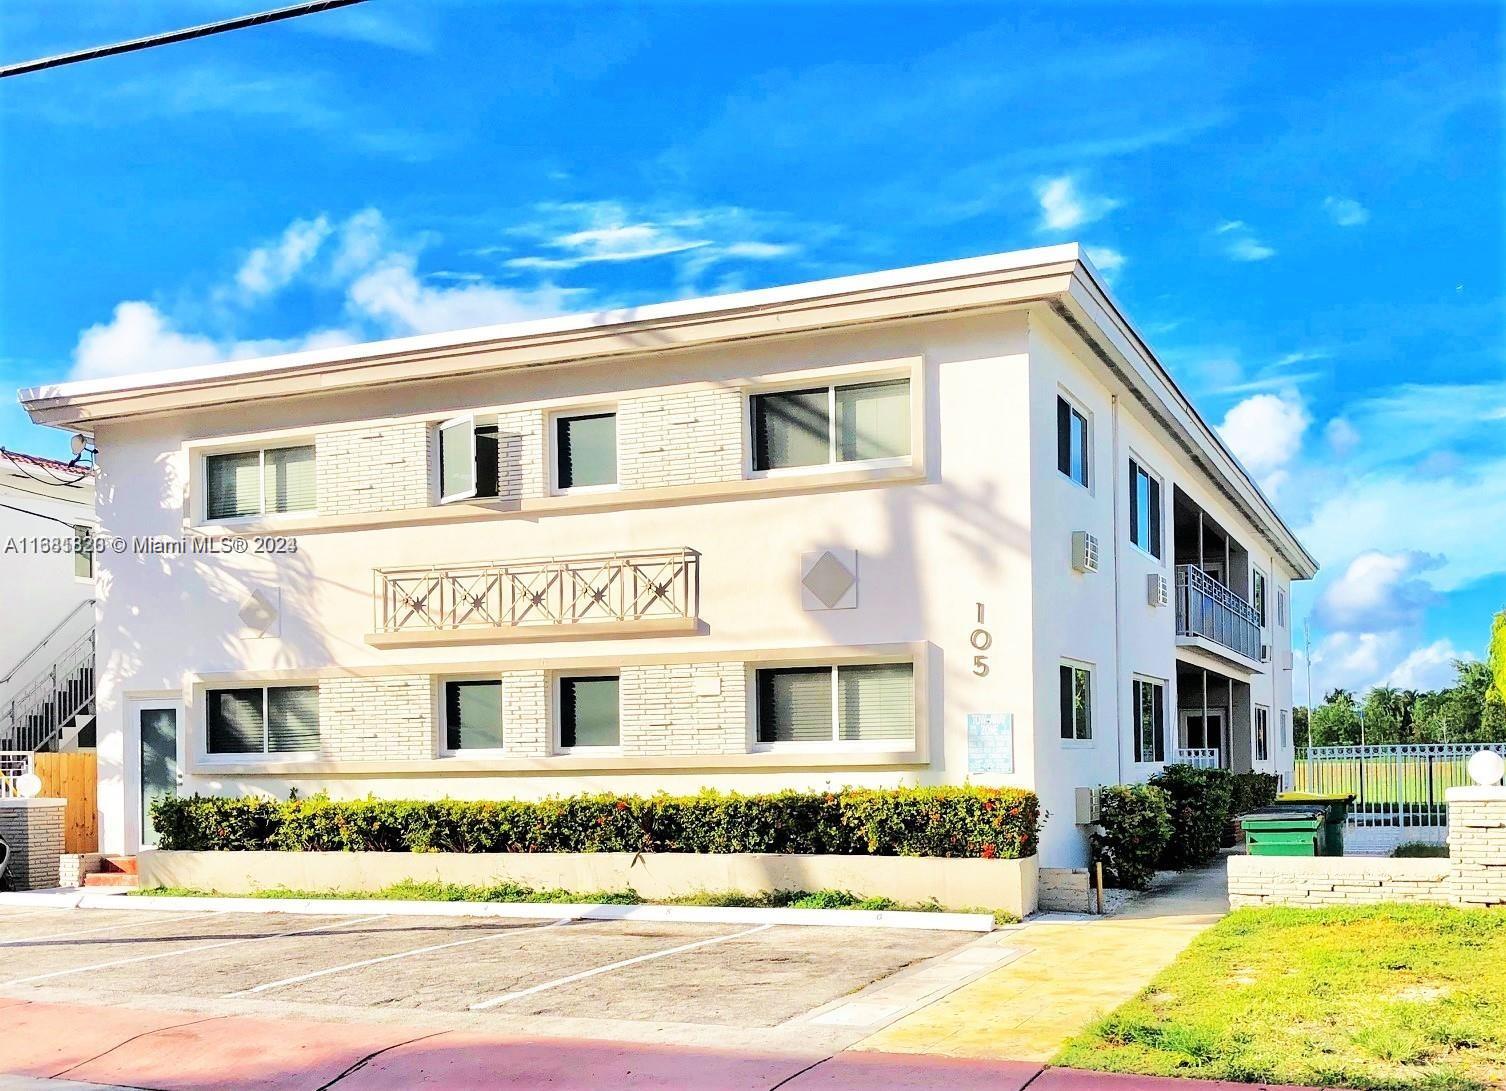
x=957 y=822
x=1252 y=790
x=1200 y=806
x=1134 y=825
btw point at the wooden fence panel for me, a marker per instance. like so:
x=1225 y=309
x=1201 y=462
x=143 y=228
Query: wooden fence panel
x=75 y=778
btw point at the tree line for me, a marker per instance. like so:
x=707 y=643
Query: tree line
x=1471 y=710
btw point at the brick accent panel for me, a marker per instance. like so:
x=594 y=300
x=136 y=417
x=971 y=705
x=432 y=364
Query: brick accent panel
x=1477 y=845
x=683 y=438
x=377 y=719
x=520 y=455
x=73 y=866
x=33 y=828
x=381 y=468
x=684 y=708
x=525 y=713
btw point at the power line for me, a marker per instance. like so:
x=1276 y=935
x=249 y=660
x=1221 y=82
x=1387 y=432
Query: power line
x=168 y=38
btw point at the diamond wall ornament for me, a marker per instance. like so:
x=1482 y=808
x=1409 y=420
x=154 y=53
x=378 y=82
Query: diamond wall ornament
x=261 y=612
x=829 y=579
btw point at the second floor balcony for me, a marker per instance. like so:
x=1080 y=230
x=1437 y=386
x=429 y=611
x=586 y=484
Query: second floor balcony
x=633 y=593
x=1207 y=611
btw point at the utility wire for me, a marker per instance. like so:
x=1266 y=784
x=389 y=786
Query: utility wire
x=169 y=37
x=39 y=515
x=24 y=472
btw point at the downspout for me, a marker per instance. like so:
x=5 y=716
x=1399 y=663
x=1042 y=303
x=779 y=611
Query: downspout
x=1118 y=637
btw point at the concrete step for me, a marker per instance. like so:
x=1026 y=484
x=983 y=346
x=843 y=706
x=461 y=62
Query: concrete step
x=123 y=865
x=111 y=878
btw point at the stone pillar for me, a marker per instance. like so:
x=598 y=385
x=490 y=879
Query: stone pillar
x=1477 y=845
x=33 y=828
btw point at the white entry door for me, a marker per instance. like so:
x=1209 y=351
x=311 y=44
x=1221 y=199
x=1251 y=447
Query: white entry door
x=1202 y=731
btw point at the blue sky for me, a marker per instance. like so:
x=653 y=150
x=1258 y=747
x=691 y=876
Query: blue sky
x=1300 y=206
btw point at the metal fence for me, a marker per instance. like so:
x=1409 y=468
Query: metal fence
x=1208 y=609
x=1392 y=785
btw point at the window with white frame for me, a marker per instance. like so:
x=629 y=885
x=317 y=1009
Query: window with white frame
x=589 y=714
x=1281 y=608
x=585 y=451
x=841 y=703
x=1286 y=729
x=1148 y=698
x=262 y=720
x=83 y=553
x=1257 y=595
x=1262 y=733
x=1076 y=702
x=468 y=459
x=1145 y=509
x=270 y=480
x=840 y=423
x=1072 y=453
x=472 y=714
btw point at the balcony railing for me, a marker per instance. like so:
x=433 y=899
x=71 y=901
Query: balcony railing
x=1208 y=609
x=648 y=590
x=1201 y=757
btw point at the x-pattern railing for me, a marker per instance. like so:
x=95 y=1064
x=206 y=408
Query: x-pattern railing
x=629 y=586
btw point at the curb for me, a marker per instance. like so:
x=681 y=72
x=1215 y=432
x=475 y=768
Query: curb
x=689 y=914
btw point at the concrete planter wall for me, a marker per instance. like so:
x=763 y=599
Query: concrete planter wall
x=1008 y=885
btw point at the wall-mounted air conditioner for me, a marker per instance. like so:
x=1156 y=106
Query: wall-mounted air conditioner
x=1265 y=653
x=1084 y=551
x=1157 y=590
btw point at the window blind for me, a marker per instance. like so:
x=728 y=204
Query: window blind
x=235 y=721
x=587 y=450
x=875 y=702
x=794 y=704
x=290 y=482
x=873 y=420
x=473 y=715
x=588 y=712
x=233 y=484
x=791 y=428
x=292 y=719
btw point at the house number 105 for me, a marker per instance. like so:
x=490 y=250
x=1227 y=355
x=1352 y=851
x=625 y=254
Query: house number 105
x=981 y=640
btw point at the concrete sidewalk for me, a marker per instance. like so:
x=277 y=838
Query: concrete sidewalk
x=1073 y=970
x=67 y=1045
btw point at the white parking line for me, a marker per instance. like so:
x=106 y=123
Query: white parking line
x=557 y=982
x=117 y=926
x=179 y=953
x=389 y=958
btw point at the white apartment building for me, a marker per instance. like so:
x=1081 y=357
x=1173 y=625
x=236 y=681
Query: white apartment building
x=47 y=596
x=944 y=524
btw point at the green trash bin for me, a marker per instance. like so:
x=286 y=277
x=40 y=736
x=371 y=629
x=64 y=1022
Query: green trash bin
x=1283 y=831
x=1335 y=810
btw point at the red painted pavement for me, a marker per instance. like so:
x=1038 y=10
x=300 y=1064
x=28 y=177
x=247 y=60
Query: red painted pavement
x=182 y=1051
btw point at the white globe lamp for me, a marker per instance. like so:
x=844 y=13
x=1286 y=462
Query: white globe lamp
x=28 y=786
x=1486 y=768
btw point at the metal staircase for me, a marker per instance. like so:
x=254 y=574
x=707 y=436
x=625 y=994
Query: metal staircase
x=53 y=706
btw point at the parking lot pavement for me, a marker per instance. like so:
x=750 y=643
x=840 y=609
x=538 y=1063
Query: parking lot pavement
x=608 y=972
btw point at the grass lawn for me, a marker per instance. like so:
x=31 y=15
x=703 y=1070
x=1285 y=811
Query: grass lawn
x=1385 y=996
x=410 y=890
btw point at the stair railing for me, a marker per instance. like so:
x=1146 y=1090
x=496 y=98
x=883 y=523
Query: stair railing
x=42 y=709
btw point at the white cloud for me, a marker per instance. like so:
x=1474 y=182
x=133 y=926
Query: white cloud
x=1107 y=260
x=1265 y=431
x=1428 y=667
x=270 y=268
x=1064 y=206
x=1377 y=591
x=1301 y=356
x=1345 y=211
x=1242 y=244
x=138 y=337
x=1342 y=436
x=393 y=296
